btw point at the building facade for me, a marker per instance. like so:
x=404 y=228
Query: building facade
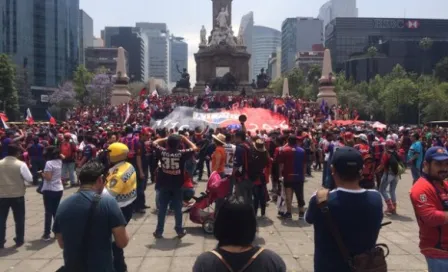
x=103 y=57
x=265 y=40
x=86 y=37
x=337 y=8
x=408 y=54
x=347 y=36
x=178 y=57
x=130 y=39
x=299 y=34
x=246 y=31
x=274 y=69
x=304 y=60
x=41 y=37
x=98 y=42
x=158 y=50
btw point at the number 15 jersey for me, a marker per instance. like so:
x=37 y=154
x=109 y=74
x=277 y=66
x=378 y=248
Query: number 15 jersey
x=230 y=155
x=170 y=174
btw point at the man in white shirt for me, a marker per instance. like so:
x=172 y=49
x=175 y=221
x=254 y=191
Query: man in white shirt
x=14 y=177
x=230 y=155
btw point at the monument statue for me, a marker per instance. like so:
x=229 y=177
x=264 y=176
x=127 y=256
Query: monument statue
x=262 y=80
x=184 y=82
x=203 y=36
x=120 y=90
x=230 y=39
x=228 y=82
x=222 y=17
x=240 y=39
x=326 y=82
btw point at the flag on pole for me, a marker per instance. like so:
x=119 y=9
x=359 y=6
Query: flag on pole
x=127 y=114
x=4 y=119
x=51 y=118
x=145 y=104
x=29 y=117
x=155 y=93
x=142 y=92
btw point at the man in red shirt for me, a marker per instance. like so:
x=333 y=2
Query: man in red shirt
x=429 y=196
x=292 y=167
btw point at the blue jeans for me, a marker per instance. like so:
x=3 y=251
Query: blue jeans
x=51 y=204
x=415 y=173
x=165 y=197
x=37 y=164
x=387 y=180
x=437 y=265
x=68 y=169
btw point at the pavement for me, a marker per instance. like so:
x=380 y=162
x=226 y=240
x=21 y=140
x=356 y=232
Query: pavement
x=292 y=240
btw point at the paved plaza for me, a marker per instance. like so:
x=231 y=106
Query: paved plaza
x=292 y=240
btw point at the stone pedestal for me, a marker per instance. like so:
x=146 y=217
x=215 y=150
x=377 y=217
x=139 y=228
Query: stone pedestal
x=180 y=91
x=120 y=94
x=215 y=61
x=327 y=94
x=263 y=92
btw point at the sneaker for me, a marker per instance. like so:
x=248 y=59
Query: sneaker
x=280 y=214
x=157 y=236
x=140 y=211
x=46 y=237
x=287 y=216
x=181 y=234
x=301 y=213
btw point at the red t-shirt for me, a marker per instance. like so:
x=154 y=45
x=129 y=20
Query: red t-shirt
x=385 y=161
x=431 y=218
x=293 y=160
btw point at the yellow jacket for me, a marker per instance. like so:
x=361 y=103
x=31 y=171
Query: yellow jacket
x=121 y=183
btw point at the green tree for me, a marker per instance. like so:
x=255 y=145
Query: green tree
x=399 y=99
x=435 y=100
x=314 y=74
x=8 y=90
x=441 y=70
x=81 y=79
x=372 y=51
x=425 y=44
x=277 y=86
x=296 y=82
x=26 y=99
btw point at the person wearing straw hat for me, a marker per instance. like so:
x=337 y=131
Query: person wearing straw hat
x=219 y=155
x=260 y=160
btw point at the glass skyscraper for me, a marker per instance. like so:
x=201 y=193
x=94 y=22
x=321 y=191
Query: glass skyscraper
x=42 y=37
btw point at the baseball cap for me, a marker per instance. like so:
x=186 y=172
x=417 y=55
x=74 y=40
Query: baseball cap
x=362 y=137
x=436 y=153
x=347 y=160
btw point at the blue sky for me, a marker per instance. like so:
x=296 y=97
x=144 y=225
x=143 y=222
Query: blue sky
x=185 y=17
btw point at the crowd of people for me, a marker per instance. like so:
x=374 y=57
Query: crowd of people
x=112 y=164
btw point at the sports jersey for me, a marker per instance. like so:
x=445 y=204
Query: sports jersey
x=219 y=151
x=121 y=183
x=428 y=201
x=172 y=165
x=293 y=160
x=230 y=155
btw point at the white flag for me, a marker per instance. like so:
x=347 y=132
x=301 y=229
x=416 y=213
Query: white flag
x=5 y=126
x=127 y=114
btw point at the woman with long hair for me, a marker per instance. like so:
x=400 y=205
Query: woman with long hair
x=235 y=229
x=52 y=187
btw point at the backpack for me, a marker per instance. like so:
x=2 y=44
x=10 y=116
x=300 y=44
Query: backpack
x=258 y=160
x=67 y=150
x=396 y=166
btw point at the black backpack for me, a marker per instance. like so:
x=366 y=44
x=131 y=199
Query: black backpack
x=394 y=160
x=257 y=161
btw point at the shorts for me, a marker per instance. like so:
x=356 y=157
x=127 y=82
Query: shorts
x=290 y=184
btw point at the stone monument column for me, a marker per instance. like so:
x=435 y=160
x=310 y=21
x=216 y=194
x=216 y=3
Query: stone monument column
x=326 y=82
x=217 y=6
x=120 y=90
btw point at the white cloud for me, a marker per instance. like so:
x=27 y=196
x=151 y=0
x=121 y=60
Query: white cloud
x=193 y=40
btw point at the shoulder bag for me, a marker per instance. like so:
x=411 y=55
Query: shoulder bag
x=246 y=266
x=372 y=261
x=81 y=265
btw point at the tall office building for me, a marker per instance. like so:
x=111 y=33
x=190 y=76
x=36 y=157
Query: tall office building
x=246 y=31
x=41 y=37
x=299 y=34
x=131 y=40
x=337 y=8
x=178 y=57
x=158 y=51
x=86 y=38
x=265 y=40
